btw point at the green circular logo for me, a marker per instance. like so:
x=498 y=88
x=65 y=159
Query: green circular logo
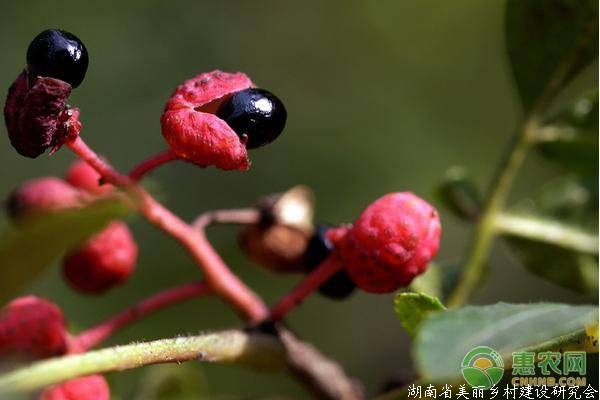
x=482 y=367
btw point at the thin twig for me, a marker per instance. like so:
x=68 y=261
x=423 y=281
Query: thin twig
x=255 y=350
x=310 y=283
x=226 y=347
x=218 y=276
x=484 y=235
x=97 y=334
x=326 y=379
x=236 y=216
x=140 y=170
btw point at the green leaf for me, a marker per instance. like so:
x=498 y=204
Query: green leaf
x=573 y=202
x=412 y=308
x=545 y=39
x=26 y=250
x=563 y=267
x=571 y=139
x=445 y=338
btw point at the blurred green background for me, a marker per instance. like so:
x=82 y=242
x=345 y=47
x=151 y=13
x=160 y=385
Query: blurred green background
x=381 y=96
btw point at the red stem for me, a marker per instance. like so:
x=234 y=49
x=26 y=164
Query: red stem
x=97 y=334
x=310 y=283
x=217 y=275
x=220 y=278
x=108 y=173
x=151 y=163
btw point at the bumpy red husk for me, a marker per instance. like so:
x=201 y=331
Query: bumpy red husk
x=41 y=196
x=391 y=243
x=32 y=328
x=197 y=135
x=107 y=259
x=36 y=114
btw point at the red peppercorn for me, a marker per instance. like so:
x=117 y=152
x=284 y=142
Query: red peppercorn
x=192 y=129
x=92 y=387
x=107 y=259
x=392 y=241
x=32 y=328
x=41 y=196
x=82 y=176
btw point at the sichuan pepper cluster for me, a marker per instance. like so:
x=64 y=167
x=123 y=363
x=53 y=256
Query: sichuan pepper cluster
x=212 y=119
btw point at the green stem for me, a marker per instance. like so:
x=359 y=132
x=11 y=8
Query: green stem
x=547 y=231
x=484 y=236
x=262 y=351
x=523 y=140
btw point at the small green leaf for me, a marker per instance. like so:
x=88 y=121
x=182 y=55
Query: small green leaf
x=445 y=338
x=26 y=250
x=412 y=308
x=543 y=35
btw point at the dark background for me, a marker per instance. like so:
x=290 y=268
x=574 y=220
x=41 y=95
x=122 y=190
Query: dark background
x=381 y=95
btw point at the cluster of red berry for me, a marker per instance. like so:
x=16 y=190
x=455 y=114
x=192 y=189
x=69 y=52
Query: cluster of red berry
x=210 y=120
x=32 y=327
x=104 y=260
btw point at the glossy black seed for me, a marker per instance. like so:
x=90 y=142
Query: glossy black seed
x=58 y=54
x=256 y=113
x=339 y=286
